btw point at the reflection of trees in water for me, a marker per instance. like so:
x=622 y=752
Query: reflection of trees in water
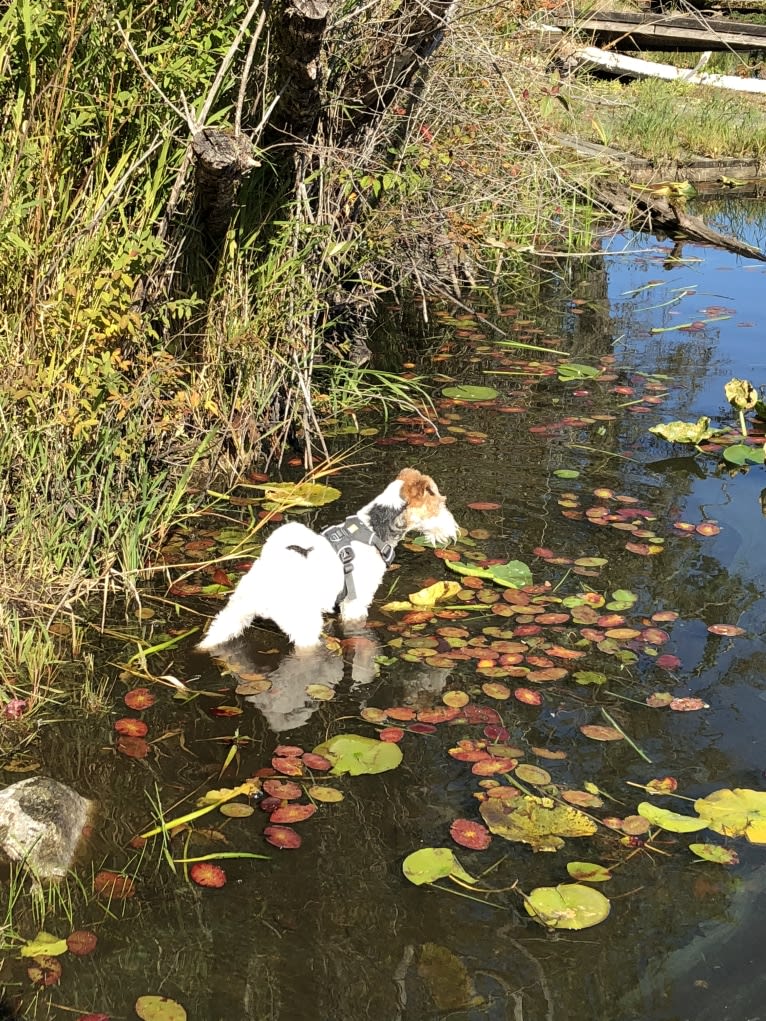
x=741 y=213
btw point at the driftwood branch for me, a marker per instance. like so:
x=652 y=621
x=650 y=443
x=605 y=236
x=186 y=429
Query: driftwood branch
x=656 y=214
x=591 y=57
x=664 y=31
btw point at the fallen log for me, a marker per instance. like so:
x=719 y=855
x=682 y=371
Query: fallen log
x=659 y=215
x=588 y=58
x=661 y=31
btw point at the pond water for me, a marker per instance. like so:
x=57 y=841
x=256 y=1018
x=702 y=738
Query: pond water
x=332 y=931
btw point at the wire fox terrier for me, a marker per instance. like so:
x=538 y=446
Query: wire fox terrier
x=302 y=574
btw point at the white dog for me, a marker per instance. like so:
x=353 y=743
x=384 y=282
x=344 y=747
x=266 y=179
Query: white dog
x=302 y=574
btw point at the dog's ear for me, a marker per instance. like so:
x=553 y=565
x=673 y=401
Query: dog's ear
x=414 y=485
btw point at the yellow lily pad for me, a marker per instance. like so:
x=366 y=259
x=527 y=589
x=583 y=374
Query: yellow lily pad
x=439 y=592
x=567 y=906
x=737 y=813
x=538 y=822
x=44 y=944
x=674 y=822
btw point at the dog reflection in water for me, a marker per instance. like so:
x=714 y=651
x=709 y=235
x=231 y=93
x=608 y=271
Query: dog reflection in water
x=286 y=705
x=302 y=574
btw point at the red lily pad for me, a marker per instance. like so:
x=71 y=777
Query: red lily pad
x=668 y=662
x=131 y=727
x=288 y=751
x=422 y=728
x=139 y=698
x=483 y=505
x=490 y=767
x=206 y=873
x=81 y=942
x=527 y=696
x=94 y=1017
x=470 y=834
x=480 y=714
x=391 y=734
x=316 y=762
x=292 y=813
x=133 y=747
x=439 y=714
x=283 y=837
x=688 y=705
x=287 y=766
x=401 y=713
x=285 y=790
x=113 y=885
x=729 y=630
x=707 y=528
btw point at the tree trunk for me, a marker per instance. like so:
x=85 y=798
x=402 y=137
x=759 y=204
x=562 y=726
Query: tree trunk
x=222 y=160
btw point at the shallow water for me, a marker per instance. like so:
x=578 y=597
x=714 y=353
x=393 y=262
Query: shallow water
x=332 y=931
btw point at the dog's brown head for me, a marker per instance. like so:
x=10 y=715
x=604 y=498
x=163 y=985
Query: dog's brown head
x=425 y=508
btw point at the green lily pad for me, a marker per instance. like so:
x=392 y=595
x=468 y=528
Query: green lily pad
x=566 y=473
x=298 y=494
x=471 y=393
x=588 y=872
x=589 y=677
x=432 y=863
x=685 y=432
x=356 y=755
x=672 y=821
x=514 y=574
x=737 y=813
x=715 y=853
x=741 y=454
x=573 y=370
x=567 y=906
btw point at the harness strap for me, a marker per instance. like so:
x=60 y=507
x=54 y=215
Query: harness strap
x=340 y=537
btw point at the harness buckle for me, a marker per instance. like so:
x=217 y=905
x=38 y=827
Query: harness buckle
x=346 y=556
x=387 y=552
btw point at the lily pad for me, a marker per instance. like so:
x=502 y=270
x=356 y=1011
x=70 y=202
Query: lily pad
x=737 y=813
x=672 y=821
x=538 y=822
x=354 y=754
x=573 y=370
x=741 y=454
x=44 y=943
x=567 y=906
x=432 y=863
x=471 y=393
x=439 y=592
x=514 y=574
x=298 y=494
x=159 y=1008
x=588 y=872
x=685 y=432
x=715 y=853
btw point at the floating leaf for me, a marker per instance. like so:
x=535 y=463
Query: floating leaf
x=432 y=863
x=566 y=473
x=139 y=698
x=45 y=944
x=394 y=734
x=535 y=821
x=455 y=699
x=583 y=799
x=483 y=505
x=471 y=393
x=81 y=942
x=496 y=690
x=131 y=727
x=287 y=765
x=205 y=873
x=298 y=494
x=588 y=872
x=729 y=630
x=567 y=906
x=528 y=696
x=685 y=432
x=470 y=834
x=715 y=853
x=573 y=370
x=354 y=754
x=439 y=592
x=46 y=971
x=598 y=732
x=533 y=774
x=113 y=885
x=589 y=677
x=320 y=692
x=447 y=980
x=672 y=821
x=328 y=795
x=316 y=762
x=514 y=574
x=741 y=454
x=159 y=1008
x=285 y=790
x=236 y=810
x=687 y=705
x=735 y=813
x=283 y=837
x=665 y=785
x=292 y=813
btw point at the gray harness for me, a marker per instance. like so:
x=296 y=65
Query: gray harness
x=340 y=538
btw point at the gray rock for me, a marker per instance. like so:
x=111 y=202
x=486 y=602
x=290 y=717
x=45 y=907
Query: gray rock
x=42 y=823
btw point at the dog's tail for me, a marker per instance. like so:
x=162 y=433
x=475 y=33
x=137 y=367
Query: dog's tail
x=233 y=618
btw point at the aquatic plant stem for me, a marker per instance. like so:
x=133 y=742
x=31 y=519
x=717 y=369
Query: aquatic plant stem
x=610 y=719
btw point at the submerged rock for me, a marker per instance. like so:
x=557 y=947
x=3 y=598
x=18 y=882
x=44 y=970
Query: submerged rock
x=42 y=823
